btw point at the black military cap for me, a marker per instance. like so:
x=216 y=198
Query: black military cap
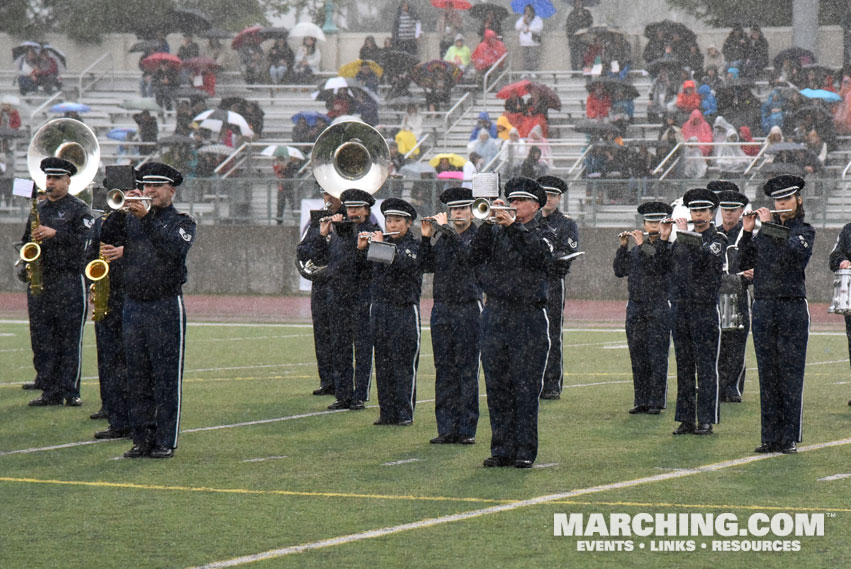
x=552 y=184
x=53 y=166
x=158 y=173
x=722 y=186
x=456 y=197
x=700 y=198
x=655 y=211
x=396 y=206
x=732 y=200
x=783 y=186
x=357 y=198
x=525 y=188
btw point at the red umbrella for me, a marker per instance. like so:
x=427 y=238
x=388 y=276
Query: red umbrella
x=514 y=89
x=544 y=92
x=456 y=4
x=249 y=35
x=154 y=60
x=201 y=64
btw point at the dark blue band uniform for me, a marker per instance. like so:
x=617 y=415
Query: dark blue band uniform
x=731 y=358
x=842 y=252
x=58 y=314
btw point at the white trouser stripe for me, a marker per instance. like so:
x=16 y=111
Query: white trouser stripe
x=80 y=343
x=180 y=321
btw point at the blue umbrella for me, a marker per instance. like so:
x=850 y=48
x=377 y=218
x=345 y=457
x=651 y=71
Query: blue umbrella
x=823 y=94
x=120 y=133
x=70 y=108
x=310 y=117
x=543 y=8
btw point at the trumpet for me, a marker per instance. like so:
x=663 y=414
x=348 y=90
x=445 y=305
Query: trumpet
x=482 y=210
x=117 y=200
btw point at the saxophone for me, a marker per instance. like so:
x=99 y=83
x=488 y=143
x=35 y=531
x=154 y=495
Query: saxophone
x=31 y=253
x=97 y=271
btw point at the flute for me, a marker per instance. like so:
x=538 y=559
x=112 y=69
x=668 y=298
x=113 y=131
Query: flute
x=754 y=212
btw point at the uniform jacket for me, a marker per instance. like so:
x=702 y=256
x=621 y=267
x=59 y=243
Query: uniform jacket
x=567 y=239
x=648 y=267
x=401 y=281
x=697 y=270
x=455 y=278
x=348 y=271
x=116 y=267
x=779 y=265
x=72 y=219
x=842 y=249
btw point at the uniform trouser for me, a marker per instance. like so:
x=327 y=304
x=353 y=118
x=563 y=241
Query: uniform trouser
x=648 y=334
x=848 y=333
x=351 y=336
x=554 y=373
x=112 y=368
x=781 y=328
x=154 y=335
x=396 y=338
x=731 y=361
x=321 y=309
x=515 y=342
x=57 y=316
x=697 y=336
x=455 y=343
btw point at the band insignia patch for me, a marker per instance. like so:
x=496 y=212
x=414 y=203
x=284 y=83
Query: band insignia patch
x=715 y=248
x=186 y=236
x=803 y=241
x=88 y=222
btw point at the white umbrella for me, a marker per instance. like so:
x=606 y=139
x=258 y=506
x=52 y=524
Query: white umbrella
x=214 y=119
x=307 y=30
x=218 y=149
x=274 y=150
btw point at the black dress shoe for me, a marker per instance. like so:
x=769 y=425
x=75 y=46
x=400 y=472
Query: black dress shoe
x=638 y=409
x=734 y=399
x=444 y=440
x=161 y=452
x=324 y=391
x=357 y=405
x=111 y=433
x=44 y=402
x=383 y=422
x=101 y=414
x=466 y=440
x=703 y=429
x=493 y=461
x=789 y=448
x=520 y=463
x=73 y=402
x=405 y=423
x=550 y=395
x=34 y=386
x=767 y=447
x=849 y=401
x=685 y=429
x=138 y=451
x=654 y=410
x=337 y=404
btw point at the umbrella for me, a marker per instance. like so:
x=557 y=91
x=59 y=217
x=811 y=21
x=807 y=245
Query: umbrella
x=7 y=132
x=451 y=175
x=282 y=151
x=784 y=147
x=670 y=28
x=176 y=139
x=187 y=92
x=353 y=68
x=12 y=100
x=21 y=49
x=779 y=168
x=189 y=21
x=217 y=33
x=454 y=4
x=404 y=100
x=143 y=46
x=398 y=62
x=70 y=108
x=56 y=54
x=481 y=11
x=335 y=85
x=543 y=8
x=664 y=63
x=820 y=70
x=200 y=64
x=228 y=102
x=217 y=149
x=347 y=118
x=249 y=35
x=121 y=133
x=454 y=159
x=430 y=74
x=799 y=55
x=594 y=127
x=617 y=90
x=818 y=112
x=215 y=119
x=274 y=33
x=310 y=117
x=141 y=104
x=517 y=89
x=546 y=93
x=823 y=94
x=154 y=60
x=307 y=30
x=587 y=34
x=417 y=170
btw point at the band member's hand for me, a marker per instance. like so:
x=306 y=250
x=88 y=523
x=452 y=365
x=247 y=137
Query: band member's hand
x=748 y=222
x=325 y=224
x=845 y=265
x=137 y=208
x=665 y=230
x=623 y=237
x=426 y=228
x=441 y=218
x=111 y=252
x=43 y=232
x=682 y=224
x=638 y=235
x=748 y=274
x=764 y=214
x=377 y=236
x=504 y=217
x=363 y=239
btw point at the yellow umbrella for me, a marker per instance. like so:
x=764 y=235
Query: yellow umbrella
x=353 y=67
x=454 y=159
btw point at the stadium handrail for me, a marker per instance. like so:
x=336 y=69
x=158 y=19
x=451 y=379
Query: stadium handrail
x=495 y=67
x=83 y=88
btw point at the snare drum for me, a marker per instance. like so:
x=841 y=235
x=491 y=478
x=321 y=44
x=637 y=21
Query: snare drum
x=728 y=306
x=841 y=303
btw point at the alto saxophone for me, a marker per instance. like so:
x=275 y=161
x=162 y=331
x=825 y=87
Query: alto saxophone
x=97 y=271
x=31 y=253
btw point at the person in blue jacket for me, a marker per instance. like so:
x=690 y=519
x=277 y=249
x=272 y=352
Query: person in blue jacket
x=484 y=122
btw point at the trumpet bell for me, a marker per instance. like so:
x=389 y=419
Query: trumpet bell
x=350 y=155
x=70 y=140
x=30 y=252
x=116 y=200
x=481 y=209
x=97 y=270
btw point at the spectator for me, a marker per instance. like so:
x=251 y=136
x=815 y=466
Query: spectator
x=663 y=92
x=443 y=165
x=254 y=116
x=148 y=131
x=814 y=160
x=145 y=83
x=730 y=158
x=320 y=125
x=459 y=54
x=771 y=110
x=189 y=49
x=407 y=29
x=367 y=77
x=530 y=27
x=9 y=115
x=688 y=100
x=745 y=136
x=711 y=78
x=302 y=131
x=488 y=52
x=281 y=60
x=512 y=154
x=842 y=113
x=713 y=58
x=340 y=105
x=655 y=48
x=756 y=54
x=370 y=50
x=183 y=118
x=536 y=138
x=165 y=81
x=598 y=104
x=735 y=48
x=533 y=167
x=216 y=52
x=579 y=18
x=367 y=108
x=693 y=59
x=397 y=159
x=503 y=127
x=438 y=95
x=483 y=122
x=47 y=73
x=449 y=26
x=697 y=128
x=484 y=146
x=406 y=142
x=413 y=121
x=669 y=137
x=708 y=104
x=694 y=166
x=471 y=168
x=285 y=170
x=251 y=60
x=307 y=61
x=639 y=163
x=490 y=22
x=775 y=136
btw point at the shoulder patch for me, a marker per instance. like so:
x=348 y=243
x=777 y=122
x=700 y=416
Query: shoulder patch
x=803 y=241
x=573 y=244
x=88 y=222
x=715 y=248
x=186 y=236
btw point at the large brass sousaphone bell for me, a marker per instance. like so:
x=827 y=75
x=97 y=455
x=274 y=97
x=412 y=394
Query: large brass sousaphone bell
x=350 y=155
x=70 y=140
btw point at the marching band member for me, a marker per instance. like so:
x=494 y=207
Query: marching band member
x=696 y=276
x=454 y=318
x=781 y=317
x=58 y=313
x=156 y=245
x=840 y=258
x=348 y=273
x=731 y=358
x=648 y=313
x=515 y=254
x=395 y=314
x=567 y=241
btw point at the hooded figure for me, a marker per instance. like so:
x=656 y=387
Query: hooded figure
x=696 y=127
x=708 y=104
x=483 y=121
x=488 y=51
x=695 y=163
x=458 y=53
x=484 y=146
x=688 y=99
x=729 y=158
